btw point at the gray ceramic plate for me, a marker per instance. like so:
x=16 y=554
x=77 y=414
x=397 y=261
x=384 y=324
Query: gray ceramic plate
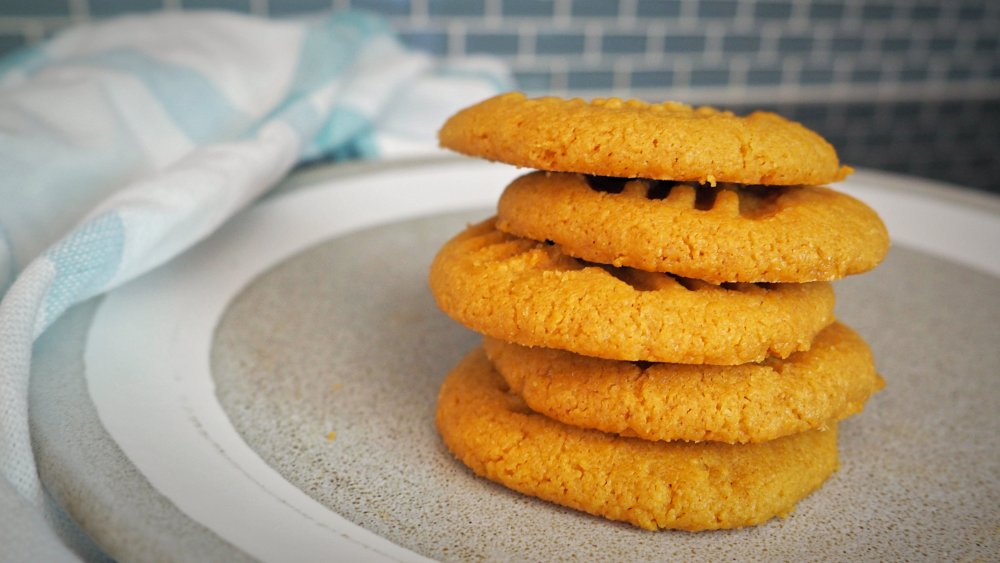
x=270 y=395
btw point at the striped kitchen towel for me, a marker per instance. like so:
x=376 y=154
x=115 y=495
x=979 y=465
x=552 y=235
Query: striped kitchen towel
x=124 y=142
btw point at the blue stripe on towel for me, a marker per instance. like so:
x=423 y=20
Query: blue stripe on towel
x=345 y=134
x=328 y=50
x=330 y=46
x=85 y=262
x=350 y=132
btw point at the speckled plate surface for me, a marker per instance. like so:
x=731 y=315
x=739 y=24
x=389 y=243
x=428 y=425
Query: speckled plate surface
x=276 y=402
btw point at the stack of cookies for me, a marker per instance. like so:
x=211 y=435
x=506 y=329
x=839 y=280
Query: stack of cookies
x=660 y=345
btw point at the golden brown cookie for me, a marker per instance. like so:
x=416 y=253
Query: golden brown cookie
x=752 y=402
x=634 y=139
x=724 y=234
x=530 y=293
x=653 y=485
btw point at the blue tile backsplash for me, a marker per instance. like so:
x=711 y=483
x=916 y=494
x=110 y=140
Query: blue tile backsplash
x=106 y=8
x=906 y=85
x=234 y=5
x=623 y=43
x=439 y=8
x=605 y=9
x=35 y=8
x=559 y=43
x=492 y=43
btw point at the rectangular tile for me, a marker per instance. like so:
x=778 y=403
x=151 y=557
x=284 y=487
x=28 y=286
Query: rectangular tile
x=896 y=44
x=810 y=113
x=532 y=8
x=866 y=75
x=652 y=78
x=709 y=77
x=284 y=7
x=559 y=43
x=906 y=110
x=942 y=44
x=533 y=81
x=826 y=10
x=712 y=9
x=733 y=43
x=795 y=44
x=816 y=75
x=925 y=11
x=914 y=73
x=233 y=5
x=860 y=112
x=880 y=12
x=840 y=140
x=35 y=8
x=986 y=44
x=683 y=43
x=658 y=8
x=972 y=11
x=106 y=8
x=781 y=10
x=590 y=80
x=959 y=72
x=492 y=43
x=764 y=76
x=594 y=8
x=455 y=7
x=623 y=43
x=880 y=139
x=847 y=44
x=384 y=7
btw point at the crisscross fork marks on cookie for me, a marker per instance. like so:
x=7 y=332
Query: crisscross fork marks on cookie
x=654 y=281
x=523 y=254
x=493 y=246
x=731 y=200
x=726 y=233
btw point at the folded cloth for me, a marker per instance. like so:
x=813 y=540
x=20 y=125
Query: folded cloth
x=122 y=143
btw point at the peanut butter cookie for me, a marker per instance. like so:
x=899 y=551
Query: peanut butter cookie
x=723 y=234
x=635 y=139
x=653 y=485
x=530 y=293
x=752 y=402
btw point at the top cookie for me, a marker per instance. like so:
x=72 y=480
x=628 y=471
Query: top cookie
x=634 y=139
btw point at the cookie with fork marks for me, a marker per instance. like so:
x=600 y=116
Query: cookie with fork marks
x=531 y=293
x=726 y=233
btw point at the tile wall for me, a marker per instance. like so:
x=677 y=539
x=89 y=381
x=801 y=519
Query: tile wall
x=911 y=86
